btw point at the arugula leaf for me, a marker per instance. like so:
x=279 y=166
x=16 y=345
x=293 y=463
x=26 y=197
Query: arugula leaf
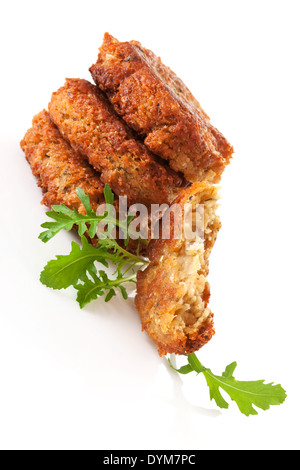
x=85 y=199
x=78 y=269
x=66 y=270
x=108 y=195
x=244 y=393
x=67 y=219
x=99 y=286
x=121 y=256
x=183 y=370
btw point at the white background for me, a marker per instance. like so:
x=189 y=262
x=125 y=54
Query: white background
x=90 y=379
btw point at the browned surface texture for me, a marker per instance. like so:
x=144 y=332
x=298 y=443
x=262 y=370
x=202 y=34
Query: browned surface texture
x=59 y=170
x=158 y=105
x=173 y=292
x=86 y=119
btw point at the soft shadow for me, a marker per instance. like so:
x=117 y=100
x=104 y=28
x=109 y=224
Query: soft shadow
x=183 y=425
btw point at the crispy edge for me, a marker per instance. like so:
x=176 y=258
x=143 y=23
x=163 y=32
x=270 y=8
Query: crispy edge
x=58 y=169
x=87 y=120
x=156 y=291
x=157 y=104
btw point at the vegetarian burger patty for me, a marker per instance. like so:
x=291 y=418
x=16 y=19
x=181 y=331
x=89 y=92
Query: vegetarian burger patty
x=173 y=292
x=59 y=170
x=157 y=104
x=87 y=120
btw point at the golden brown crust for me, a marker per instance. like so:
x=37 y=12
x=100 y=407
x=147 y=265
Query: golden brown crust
x=173 y=292
x=86 y=119
x=156 y=103
x=155 y=301
x=59 y=170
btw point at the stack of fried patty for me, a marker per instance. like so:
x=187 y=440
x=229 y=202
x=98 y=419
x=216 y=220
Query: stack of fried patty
x=140 y=130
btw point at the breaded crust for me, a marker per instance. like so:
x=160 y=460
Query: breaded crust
x=59 y=170
x=87 y=120
x=156 y=103
x=173 y=292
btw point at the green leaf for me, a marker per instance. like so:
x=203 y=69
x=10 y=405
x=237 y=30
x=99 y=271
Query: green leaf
x=246 y=394
x=77 y=268
x=88 y=291
x=111 y=293
x=123 y=292
x=66 y=270
x=214 y=391
x=108 y=195
x=85 y=199
x=195 y=363
x=63 y=221
x=68 y=219
x=183 y=370
x=100 y=285
x=230 y=370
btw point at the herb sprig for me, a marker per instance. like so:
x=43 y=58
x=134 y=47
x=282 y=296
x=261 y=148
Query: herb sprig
x=244 y=393
x=78 y=268
x=66 y=219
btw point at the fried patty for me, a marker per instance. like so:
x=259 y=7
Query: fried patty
x=157 y=104
x=59 y=170
x=87 y=120
x=173 y=291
